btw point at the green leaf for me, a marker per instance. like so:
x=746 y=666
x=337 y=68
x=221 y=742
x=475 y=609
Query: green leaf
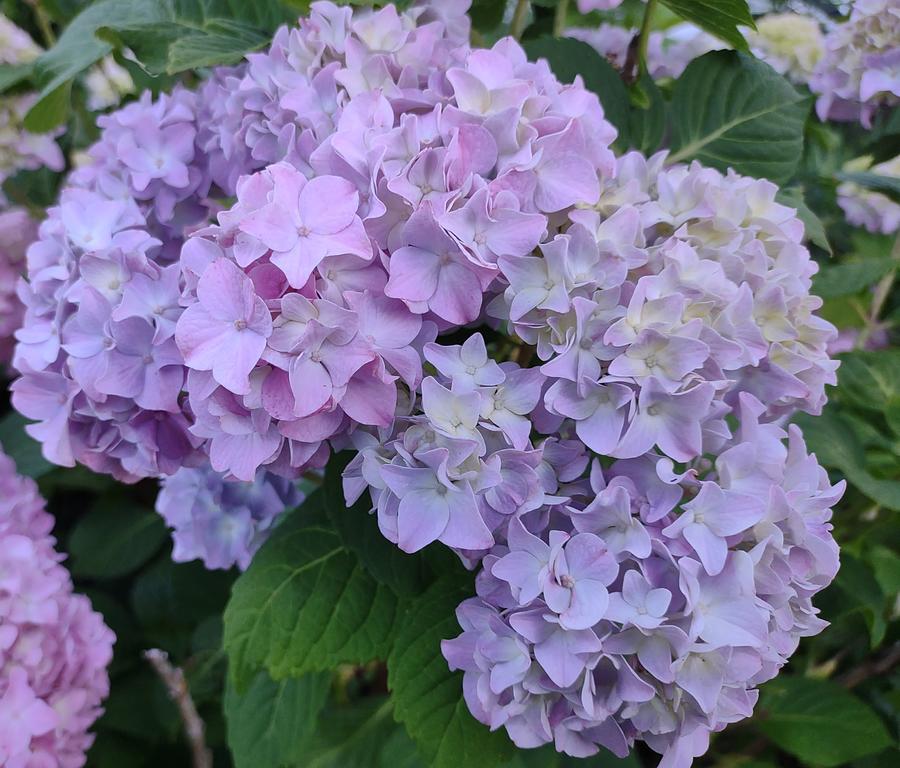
x=870 y=380
x=114 y=539
x=167 y=36
x=170 y=599
x=886 y=565
x=647 y=124
x=21 y=447
x=405 y=574
x=730 y=110
x=13 y=74
x=832 y=438
x=886 y=185
x=568 y=58
x=820 y=722
x=306 y=603
x=812 y=224
x=271 y=724
x=859 y=585
x=427 y=695
x=361 y=734
x=849 y=277
x=718 y=17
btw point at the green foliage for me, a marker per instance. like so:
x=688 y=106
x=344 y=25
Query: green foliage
x=721 y=18
x=306 y=603
x=106 y=544
x=820 y=722
x=427 y=695
x=167 y=36
x=21 y=447
x=726 y=106
x=271 y=724
x=405 y=574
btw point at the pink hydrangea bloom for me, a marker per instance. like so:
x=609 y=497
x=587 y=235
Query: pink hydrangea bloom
x=54 y=649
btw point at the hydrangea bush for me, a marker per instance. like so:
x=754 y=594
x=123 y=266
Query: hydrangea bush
x=491 y=361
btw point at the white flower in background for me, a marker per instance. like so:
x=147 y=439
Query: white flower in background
x=790 y=43
x=16 y=46
x=106 y=84
x=865 y=207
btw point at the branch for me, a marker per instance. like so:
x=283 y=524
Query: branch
x=872 y=668
x=519 y=19
x=177 y=687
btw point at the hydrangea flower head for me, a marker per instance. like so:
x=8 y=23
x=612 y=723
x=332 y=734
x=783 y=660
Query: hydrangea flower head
x=222 y=523
x=860 y=71
x=54 y=650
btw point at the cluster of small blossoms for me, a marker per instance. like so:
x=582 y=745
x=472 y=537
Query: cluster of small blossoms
x=669 y=51
x=791 y=43
x=219 y=522
x=867 y=208
x=100 y=369
x=647 y=604
x=646 y=600
x=17 y=231
x=309 y=304
x=54 y=649
x=860 y=71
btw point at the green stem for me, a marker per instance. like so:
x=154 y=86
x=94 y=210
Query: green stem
x=519 y=19
x=559 y=19
x=43 y=22
x=644 y=35
x=879 y=298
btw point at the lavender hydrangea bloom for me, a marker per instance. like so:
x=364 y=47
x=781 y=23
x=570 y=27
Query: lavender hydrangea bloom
x=100 y=372
x=54 y=650
x=219 y=522
x=17 y=231
x=700 y=588
x=860 y=71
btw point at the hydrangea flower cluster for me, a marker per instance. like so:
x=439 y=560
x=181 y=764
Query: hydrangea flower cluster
x=17 y=231
x=649 y=598
x=100 y=369
x=219 y=522
x=610 y=457
x=54 y=650
x=860 y=71
x=669 y=51
x=791 y=43
x=867 y=208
